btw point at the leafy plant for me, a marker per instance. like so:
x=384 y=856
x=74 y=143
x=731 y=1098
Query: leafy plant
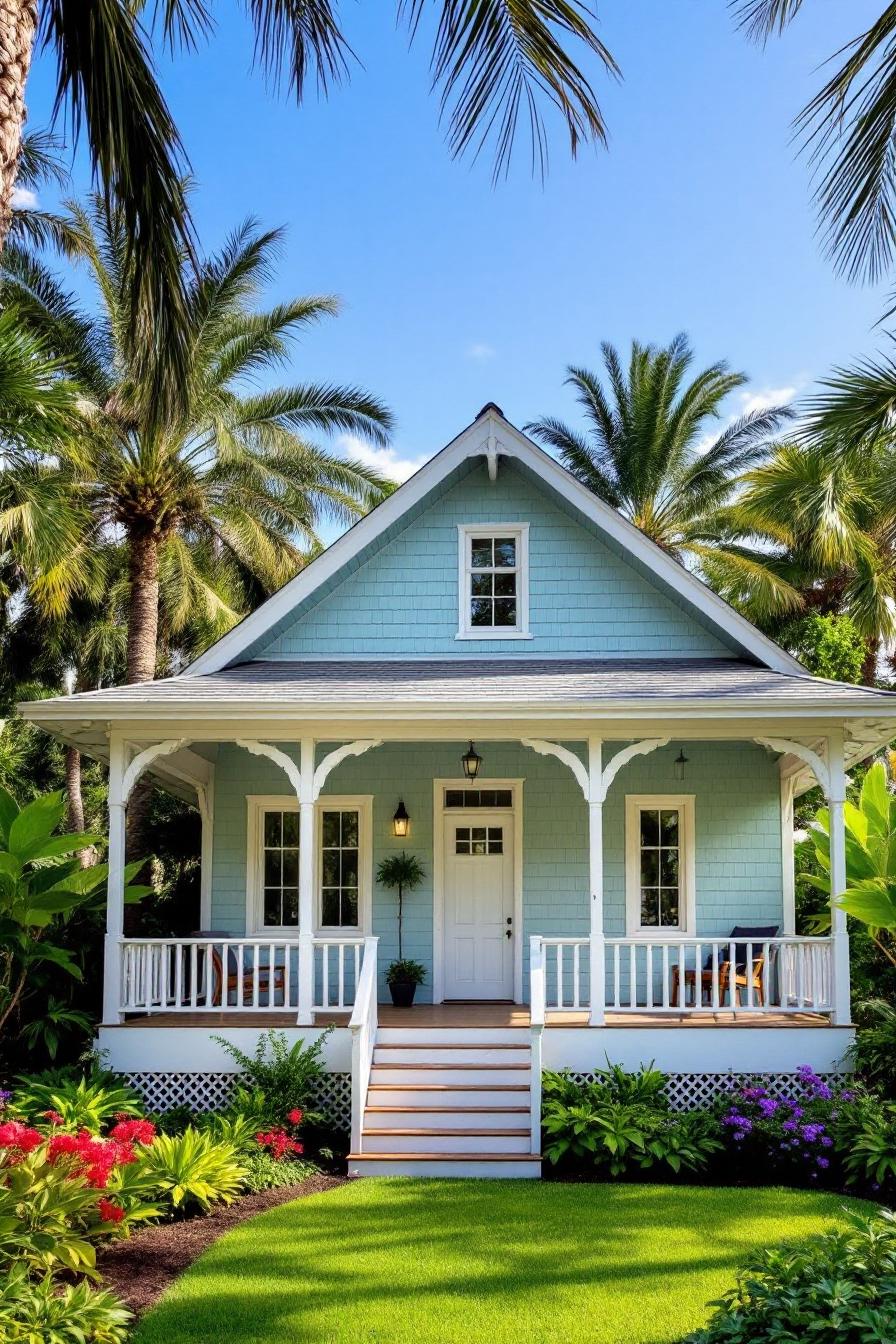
x=400 y=872
x=865 y=1135
x=285 y=1076
x=840 y=1285
x=188 y=1169
x=41 y=883
x=874 y=1048
x=265 y=1172
x=870 y=894
x=84 y=1103
x=44 y=1312
x=793 y=1134
x=405 y=972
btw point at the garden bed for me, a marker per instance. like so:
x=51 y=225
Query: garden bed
x=142 y=1267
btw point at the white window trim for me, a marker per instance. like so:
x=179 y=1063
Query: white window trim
x=465 y=531
x=259 y=803
x=634 y=803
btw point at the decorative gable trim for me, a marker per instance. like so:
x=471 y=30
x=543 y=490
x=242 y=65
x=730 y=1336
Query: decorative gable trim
x=491 y=436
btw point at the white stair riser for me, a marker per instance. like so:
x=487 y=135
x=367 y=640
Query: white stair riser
x=433 y=1054
x=453 y=1035
x=446 y=1143
x=461 y=1167
x=478 y=1096
x=466 y=1119
x=391 y=1073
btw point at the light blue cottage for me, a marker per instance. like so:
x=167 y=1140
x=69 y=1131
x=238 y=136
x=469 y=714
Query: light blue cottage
x=594 y=760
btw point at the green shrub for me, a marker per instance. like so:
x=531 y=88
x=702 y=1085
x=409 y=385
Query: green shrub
x=865 y=1139
x=264 y=1172
x=89 y=1103
x=874 y=1049
x=839 y=1286
x=42 y=1312
x=233 y=1128
x=598 y=1132
x=187 y=1169
x=282 y=1077
x=175 y=1120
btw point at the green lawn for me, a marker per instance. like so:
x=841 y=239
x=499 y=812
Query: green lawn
x=479 y=1262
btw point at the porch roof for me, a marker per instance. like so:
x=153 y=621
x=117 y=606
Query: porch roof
x=461 y=683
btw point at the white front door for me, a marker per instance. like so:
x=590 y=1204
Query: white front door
x=479 y=932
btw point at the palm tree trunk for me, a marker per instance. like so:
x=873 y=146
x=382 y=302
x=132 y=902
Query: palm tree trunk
x=143 y=614
x=75 y=802
x=143 y=634
x=869 y=667
x=18 y=22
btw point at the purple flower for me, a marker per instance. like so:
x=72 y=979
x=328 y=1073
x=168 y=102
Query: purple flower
x=789 y=1125
x=847 y=1096
x=823 y=1162
x=823 y=1092
x=811 y=1133
x=768 y=1106
x=753 y=1093
x=4 y=1097
x=827 y=1142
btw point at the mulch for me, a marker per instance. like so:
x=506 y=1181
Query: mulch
x=139 y=1268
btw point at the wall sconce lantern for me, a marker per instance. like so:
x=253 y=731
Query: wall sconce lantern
x=401 y=821
x=680 y=762
x=471 y=761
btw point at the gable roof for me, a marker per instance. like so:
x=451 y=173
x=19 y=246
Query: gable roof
x=493 y=436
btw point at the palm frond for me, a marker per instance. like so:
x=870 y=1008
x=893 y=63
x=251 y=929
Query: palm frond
x=497 y=60
x=762 y=19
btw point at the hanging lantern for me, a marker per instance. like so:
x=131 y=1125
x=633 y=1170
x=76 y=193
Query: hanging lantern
x=680 y=762
x=471 y=761
x=401 y=821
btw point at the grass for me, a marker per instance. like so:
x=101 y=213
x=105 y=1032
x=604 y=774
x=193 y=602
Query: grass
x=480 y=1262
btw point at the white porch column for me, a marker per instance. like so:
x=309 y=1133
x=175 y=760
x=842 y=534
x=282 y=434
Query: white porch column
x=596 y=972
x=836 y=798
x=788 y=872
x=205 y=794
x=115 y=885
x=307 y=868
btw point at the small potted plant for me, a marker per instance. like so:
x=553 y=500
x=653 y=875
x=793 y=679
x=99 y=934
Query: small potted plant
x=403 y=977
x=402 y=872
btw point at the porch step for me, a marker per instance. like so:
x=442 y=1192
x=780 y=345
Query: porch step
x=481 y=1166
x=446 y=1141
x=436 y=1036
x=471 y=1072
x=456 y=1094
x=438 y=1118
x=451 y=1056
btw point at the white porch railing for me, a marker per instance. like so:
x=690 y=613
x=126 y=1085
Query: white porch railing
x=363 y=1026
x=536 y=1033
x=251 y=975
x=693 y=975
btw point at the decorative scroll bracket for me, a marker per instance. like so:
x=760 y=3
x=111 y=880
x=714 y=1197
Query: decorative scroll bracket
x=142 y=760
x=336 y=757
x=788 y=748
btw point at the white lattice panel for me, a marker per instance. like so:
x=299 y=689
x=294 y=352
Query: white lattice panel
x=210 y=1091
x=687 y=1091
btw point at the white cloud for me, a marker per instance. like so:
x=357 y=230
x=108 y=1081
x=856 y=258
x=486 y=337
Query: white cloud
x=23 y=198
x=480 y=351
x=764 y=398
x=385 y=460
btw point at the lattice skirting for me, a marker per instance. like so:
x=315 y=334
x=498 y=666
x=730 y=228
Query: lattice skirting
x=686 y=1091
x=209 y=1091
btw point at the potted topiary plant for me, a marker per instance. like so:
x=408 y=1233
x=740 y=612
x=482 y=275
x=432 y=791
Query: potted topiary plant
x=402 y=872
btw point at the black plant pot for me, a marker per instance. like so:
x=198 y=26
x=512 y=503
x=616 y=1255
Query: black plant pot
x=403 y=992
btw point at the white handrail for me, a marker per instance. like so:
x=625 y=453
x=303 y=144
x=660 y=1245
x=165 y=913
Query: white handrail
x=363 y=1026
x=659 y=974
x=536 y=1021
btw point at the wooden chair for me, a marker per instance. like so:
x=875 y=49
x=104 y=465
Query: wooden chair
x=743 y=976
x=271 y=979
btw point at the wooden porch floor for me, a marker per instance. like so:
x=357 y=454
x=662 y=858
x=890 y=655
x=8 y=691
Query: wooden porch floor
x=484 y=1015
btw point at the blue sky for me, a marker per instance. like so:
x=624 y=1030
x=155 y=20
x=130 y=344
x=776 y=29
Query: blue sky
x=698 y=217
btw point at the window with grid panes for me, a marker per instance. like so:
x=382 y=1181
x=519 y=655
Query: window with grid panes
x=280 y=869
x=339 y=867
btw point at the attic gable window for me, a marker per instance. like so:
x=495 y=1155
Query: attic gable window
x=493 y=581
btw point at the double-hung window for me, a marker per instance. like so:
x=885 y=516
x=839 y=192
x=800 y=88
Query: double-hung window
x=342 y=880
x=493 y=583
x=659 y=863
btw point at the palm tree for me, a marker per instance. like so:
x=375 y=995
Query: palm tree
x=493 y=61
x=849 y=130
x=645 y=447
x=226 y=489
x=823 y=521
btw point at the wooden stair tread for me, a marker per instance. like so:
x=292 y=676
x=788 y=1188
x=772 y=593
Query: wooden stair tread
x=444 y=1157
x=471 y=1064
x=446 y=1087
x=444 y=1133
x=449 y=1110
x=451 y=1045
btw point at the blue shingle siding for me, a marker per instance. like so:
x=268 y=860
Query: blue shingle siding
x=737 y=815
x=402 y=597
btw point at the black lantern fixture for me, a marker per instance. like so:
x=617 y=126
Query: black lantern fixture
x=680 y=762
x=401 y=821
x=471 y=761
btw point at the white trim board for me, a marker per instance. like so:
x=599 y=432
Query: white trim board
x=474 y=441
x=438 y=877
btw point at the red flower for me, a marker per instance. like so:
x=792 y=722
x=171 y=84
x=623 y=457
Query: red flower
x=279 y=1143
x=295 y=1116
x=54 y=1117
x=109 y=1212
x=21 y=1138
x=92 y=1158
x=133 y=1131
